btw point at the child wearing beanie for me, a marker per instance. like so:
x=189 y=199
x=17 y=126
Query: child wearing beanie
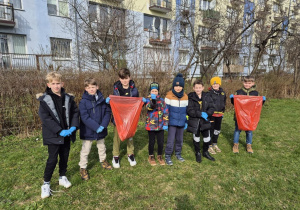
x=156 y=122
x=219 y=99
x=176 y=101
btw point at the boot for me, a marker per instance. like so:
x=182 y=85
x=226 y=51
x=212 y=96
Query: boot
x=161 y=160
x=151 y=160
x=235 y=148
x=84 y=174
x=207 y=155
x=198 y=157
x=249 y=148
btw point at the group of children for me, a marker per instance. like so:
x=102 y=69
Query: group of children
x=199 y=112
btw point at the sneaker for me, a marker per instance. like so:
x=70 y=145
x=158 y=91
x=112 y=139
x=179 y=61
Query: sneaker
x=211 y=150
x=180 y=158
x=198 y=157
x=63 y=181
x=207 y=155
x=235 y=148
x=249 y=148
x=45 y=191
x=168 y=160
x=131 y=160
x=161 y=160
x=84 y=174
x=106 y=165
x=151 y=160
x=216 y=148
x=116 y=162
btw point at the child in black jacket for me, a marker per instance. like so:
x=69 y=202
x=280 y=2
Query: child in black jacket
x=219 y=100
x=60 y=119
x=200 y=108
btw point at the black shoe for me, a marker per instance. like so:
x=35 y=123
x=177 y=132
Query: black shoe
x=207 y=155
x=198 y=157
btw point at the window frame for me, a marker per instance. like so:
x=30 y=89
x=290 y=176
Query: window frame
x=58 y=12
x=54 y=55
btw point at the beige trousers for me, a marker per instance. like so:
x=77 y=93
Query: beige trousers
x=85 y=151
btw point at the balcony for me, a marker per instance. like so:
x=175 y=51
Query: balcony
x=277 y=17
x=208 y=45
x=7 y=17
x=160 y=6
x=236 y=3
x=210 y=16
x=156 y=39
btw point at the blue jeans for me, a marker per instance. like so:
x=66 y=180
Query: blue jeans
x=236 y=135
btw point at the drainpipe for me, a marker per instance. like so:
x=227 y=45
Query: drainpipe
x=77 y=38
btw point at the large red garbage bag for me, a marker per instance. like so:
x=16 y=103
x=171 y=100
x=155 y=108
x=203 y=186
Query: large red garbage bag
x=247 y=111
x=126 y=111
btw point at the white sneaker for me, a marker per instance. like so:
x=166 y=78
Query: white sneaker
x=64 y=182
x=116 y=162
x=45 y=191
x=131 y=160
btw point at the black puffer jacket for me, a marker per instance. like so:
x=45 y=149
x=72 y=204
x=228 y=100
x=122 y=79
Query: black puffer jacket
x=194 y=111
x=247 y=92
x=219 y=99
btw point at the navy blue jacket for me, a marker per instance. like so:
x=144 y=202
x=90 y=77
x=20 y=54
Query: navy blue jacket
x=93 y=114
x=51 y=125
x=133 y=90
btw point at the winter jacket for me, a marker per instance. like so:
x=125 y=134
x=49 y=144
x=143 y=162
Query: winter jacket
x=195 y=109
x=157 y=114
x=93 y=114
x=219 y=101
x=133 y=90
x=51 y=125
x=177 y=109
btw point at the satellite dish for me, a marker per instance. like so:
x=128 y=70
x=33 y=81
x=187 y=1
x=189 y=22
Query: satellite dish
x=157 y=23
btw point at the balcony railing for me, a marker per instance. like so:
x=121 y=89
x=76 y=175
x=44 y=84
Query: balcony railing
x=210 y=16
x=208 y=45
x=7 y=17
x=156 y=39
x=15 y=61
x=160 y=6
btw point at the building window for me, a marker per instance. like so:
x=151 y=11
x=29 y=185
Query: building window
x=16 y=3
x=276 y=8
x=183 y=57
x=60 y=48
x=19 y=45
x=12 y=44
x=206 y=5
x=58 y=7
x=183 y=30
x=155 y=26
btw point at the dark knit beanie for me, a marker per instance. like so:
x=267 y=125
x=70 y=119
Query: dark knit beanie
x=154 y=85
x=178 y=80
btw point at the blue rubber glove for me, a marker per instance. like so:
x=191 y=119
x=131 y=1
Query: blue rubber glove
x=64 y=133
x=165 y=127
x=185 y=126
x=107 y=100
x=231 y=96
x=204 y=115
x=100 y=129
x=144 y=100
x=153 y=96
x=264 y=98
x=71 y=130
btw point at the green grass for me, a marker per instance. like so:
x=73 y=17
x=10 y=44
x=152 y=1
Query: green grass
x=267 y=179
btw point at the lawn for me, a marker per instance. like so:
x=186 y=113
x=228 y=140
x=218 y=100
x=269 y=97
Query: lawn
x=267 y=179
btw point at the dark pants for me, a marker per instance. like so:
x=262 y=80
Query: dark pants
x=54 y=150
x=174 y=133
x=206 y=141
x=215 y=129
x=160 y=141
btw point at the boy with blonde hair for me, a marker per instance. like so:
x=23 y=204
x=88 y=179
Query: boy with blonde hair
x=60 y=119
x=95 y=115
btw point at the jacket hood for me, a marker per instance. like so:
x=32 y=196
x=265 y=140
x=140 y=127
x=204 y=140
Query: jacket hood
x=216 y=91
x=118 y=84
x=89 y=97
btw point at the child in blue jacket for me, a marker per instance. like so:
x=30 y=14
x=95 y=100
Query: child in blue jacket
x=95 y=116
x=177 y=102
x=156 y=123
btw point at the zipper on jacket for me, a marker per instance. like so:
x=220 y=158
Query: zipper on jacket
x=93 y=103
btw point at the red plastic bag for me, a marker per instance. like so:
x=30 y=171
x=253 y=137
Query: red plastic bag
x=247 y=111
x=126 y=111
